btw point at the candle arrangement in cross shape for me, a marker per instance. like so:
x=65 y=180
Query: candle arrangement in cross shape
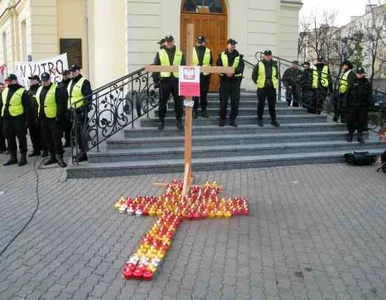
x=172 y=208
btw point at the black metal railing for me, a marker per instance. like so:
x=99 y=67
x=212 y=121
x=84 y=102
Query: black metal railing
x=111 y=108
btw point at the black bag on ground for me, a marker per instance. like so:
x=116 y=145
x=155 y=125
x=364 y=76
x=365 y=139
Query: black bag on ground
x=360 y=158
x=383 y=159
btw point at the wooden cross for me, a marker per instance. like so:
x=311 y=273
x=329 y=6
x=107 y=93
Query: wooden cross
x=188 y=110
x=172 y=208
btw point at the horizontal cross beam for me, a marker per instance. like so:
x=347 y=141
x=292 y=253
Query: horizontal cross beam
x=210 y=69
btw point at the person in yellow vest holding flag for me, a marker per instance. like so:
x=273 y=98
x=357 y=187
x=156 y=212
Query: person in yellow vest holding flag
x=14 y=111
x=202 y=56
x=321 y=85
x=266 y=76
x=230 y=83
x=169 y=82
x=79 y=95
x=346 y=81
x=51 y=105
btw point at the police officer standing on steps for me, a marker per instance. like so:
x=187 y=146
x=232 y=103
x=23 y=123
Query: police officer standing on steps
x=79 y=96
x=169 y=56
x=51 y=100
x=3 y=146
x=66 y=118
x=346 y=80
x=202 y=56
x=14 y=112
x=359 y=100
x=291 y=80
x=321 y=85
x=230 y=83
x=266 y=76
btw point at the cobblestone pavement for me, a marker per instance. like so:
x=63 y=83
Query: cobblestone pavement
x=315 y=232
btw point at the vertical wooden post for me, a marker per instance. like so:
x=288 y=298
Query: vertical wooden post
x=188 y=116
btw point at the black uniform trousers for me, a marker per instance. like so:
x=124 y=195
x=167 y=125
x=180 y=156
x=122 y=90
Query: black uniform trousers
x=356 y=118
x=52 y=133
x=66 y=125
x=229 y=88
x=317 y=101
x=3 y=146
x=170 y=86
x=340 y=107
x=202 y=101
x=81 y=118
x=34 y=128
x=268 y=94
x=292 y=96
x=14 y=127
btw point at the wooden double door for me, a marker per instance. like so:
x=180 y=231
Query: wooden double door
x=214 y=27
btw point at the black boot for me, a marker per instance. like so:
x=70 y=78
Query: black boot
x=205 y=113
x=275 y=123
x=52 y=160
x=260 y=123
x=350 y=136
x=179 y=124
x=45 y=153
x=12 y=160
x=161 y=125
x=360 y=138
x=82 y=156
x=23 y=159
x=34 y=153
x=221 y=123
x=233 y=123
x=61 y=163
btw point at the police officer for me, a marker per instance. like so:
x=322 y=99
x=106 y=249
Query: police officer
x=169 y=56
x=51 y=104
x=359 y=99
x=66 y=118
x=306 y=85
x=230 y=83
x=266 y=76
x=202 y=56
x=32 y=118
x=3 y=146
x=321 y=85
x=291 y=80
x=79 y=96
x=346 y=80
x=14 y=112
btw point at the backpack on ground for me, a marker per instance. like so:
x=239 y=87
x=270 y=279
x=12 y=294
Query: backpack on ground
x=360 y=158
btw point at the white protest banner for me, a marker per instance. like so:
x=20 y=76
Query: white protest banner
x=55 y=66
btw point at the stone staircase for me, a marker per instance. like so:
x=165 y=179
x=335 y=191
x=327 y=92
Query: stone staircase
x=302 y=139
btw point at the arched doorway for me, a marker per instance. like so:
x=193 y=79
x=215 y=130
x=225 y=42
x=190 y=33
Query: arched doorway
x=211 y=20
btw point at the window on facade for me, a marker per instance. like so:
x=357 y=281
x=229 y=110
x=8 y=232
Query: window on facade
x=73 y=48
x=211 y=6
x=23 y=29
x=4 y=42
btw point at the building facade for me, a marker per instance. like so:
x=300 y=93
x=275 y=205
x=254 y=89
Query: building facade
x=110 y=40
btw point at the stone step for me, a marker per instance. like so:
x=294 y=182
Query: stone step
x=241 y=120
x=214 y=112
x=229 y=151
x=128 y=168
x=245 y=129
x=228 y=140
x=244 y=103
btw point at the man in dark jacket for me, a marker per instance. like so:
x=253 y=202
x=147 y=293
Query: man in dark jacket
x=202 y=56
x=14 y=111
x=3 y=146
x=292 y=82
x=306 y=85
x=66 y=118
x=266 y=76
x=359 y=99
x=346 y=80
x=230 y=83
x=169 y=81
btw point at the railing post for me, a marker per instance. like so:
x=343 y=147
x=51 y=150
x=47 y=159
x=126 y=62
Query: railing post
x=97 y=120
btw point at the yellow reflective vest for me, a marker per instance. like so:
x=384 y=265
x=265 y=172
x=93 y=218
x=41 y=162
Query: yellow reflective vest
x=15 y=103
x=205 y=61
x=262 y=77
x=164 y=59
x=76 y=95
x=225 y=63
x=324 y=79
x=343 y=82
x=50 y=105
